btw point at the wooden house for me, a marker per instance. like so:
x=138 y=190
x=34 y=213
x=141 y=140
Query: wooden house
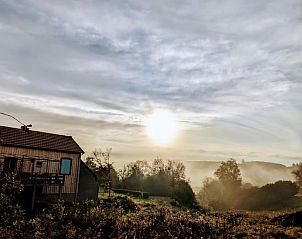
x=49 y=165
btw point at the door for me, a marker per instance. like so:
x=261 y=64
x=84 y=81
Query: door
x=10 y=165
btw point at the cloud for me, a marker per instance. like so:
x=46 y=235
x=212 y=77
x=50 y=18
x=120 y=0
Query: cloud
x=223 y=67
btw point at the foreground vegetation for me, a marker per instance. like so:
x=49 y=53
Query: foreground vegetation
x=120 y=217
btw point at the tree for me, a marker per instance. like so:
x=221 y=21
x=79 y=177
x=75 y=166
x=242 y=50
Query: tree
x=228 y=173
x=176 y=171
x=159 y=184
x=157 y=166
x=133 y=175
x=211 y=194
x=229 y=177
x=99 y=162
x=298 y=174
x=158 y=178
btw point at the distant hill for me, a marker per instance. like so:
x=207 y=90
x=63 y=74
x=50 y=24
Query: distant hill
x=256 y=172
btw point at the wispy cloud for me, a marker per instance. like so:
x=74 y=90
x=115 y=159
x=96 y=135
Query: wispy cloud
x=230 y=69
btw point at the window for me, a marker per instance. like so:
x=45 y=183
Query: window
x=65 y=166
x=39 y=164
x=10 y=164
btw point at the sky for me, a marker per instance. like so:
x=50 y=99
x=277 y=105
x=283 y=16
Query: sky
x=229 y=70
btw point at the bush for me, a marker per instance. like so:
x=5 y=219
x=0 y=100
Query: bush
x=111 y=219
x=211 y=194
x=123 y=202
x=158 y=185
x=10 y=211
x=290 y=220
x=268 y=196
x=183 y=194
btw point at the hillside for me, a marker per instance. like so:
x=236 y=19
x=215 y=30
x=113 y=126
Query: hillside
x=256 y=172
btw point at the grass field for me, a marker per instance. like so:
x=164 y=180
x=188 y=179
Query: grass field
x=291 y=205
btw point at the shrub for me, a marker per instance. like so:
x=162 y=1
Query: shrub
x=183 y=194
x=268 y=196
x=123 y=202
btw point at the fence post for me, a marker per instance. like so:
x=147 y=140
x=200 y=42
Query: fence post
x=34 y=195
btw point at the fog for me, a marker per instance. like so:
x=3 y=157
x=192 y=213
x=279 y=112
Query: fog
x=257 y=173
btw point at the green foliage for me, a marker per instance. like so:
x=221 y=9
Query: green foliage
x=268 y=196
x=227 y=192
x=222 y=193
x=158 y=185
x=212 y=195
x=158 y=178
x=161 y=178
x=99 y=162
x=11 y=186
x=228 y=173
x=122 y=202
x=11 y=214
x=183 y=194
x=133 y=176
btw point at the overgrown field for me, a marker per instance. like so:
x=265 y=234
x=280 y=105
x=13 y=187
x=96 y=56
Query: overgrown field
x=120 y=217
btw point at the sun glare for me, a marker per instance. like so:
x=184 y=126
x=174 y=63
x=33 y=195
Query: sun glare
x=162 y=127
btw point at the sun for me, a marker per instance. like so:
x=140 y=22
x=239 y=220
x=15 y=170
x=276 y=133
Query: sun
x=162 y=127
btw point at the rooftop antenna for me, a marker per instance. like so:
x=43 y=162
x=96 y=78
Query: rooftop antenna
x=24 y=127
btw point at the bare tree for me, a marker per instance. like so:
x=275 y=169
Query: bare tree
x=99 y=162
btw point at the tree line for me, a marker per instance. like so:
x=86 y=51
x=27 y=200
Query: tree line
x=167 y=178
x=228 y=191
x=164 y=178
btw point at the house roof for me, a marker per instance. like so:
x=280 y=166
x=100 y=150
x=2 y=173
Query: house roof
x=38 y=140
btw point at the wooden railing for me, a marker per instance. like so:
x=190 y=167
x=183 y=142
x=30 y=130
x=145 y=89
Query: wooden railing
x=32 y=170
